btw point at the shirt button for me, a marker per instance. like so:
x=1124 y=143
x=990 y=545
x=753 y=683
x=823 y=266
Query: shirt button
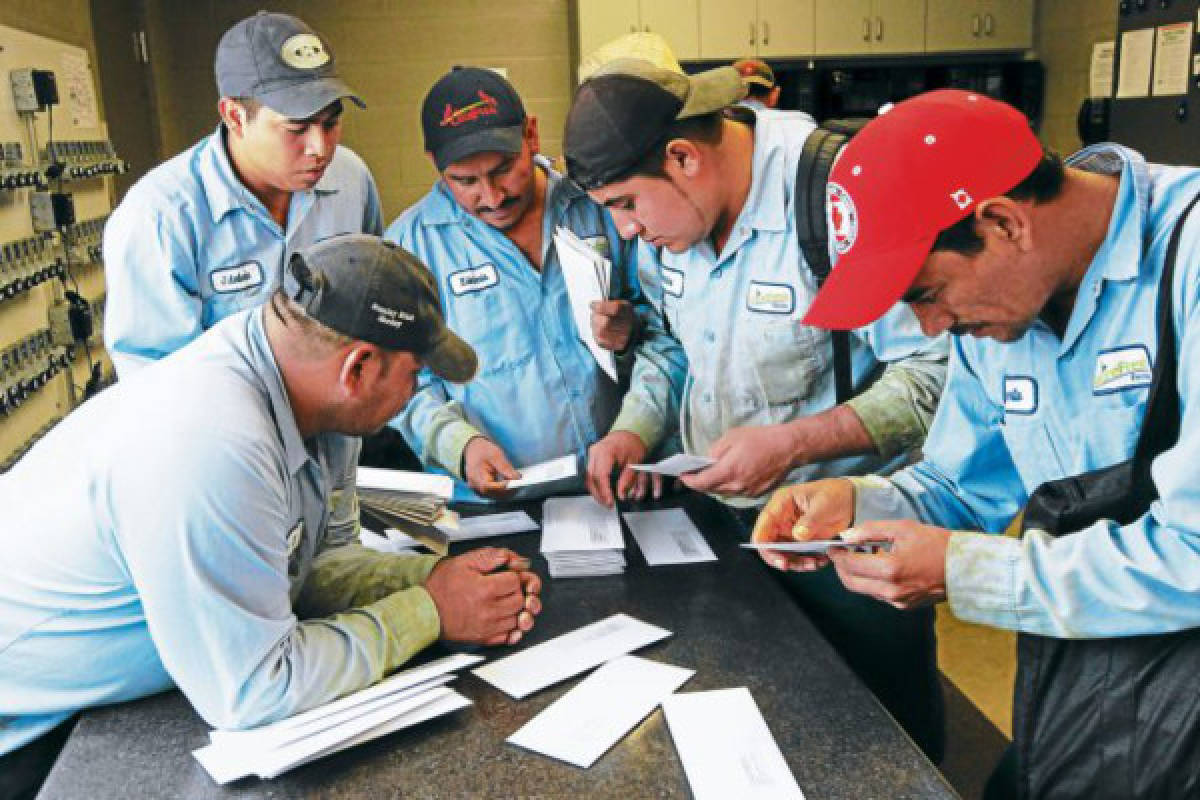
x=708 y=397
x=709 y=336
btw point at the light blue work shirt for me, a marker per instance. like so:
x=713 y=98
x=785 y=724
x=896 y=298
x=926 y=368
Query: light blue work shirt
x=190 y=244
x=539 y=393
x=160 y=535
x=1016 y=415
x=738 y=314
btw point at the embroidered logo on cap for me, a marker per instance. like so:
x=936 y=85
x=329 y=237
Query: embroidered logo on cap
x=961 y=198
x=843 y=217
x=304 y=51
x=392 y=317
x=485 y=106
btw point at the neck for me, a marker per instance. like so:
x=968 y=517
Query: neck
x=300 y=378
x=526 y=234
x=734 y=162
x=1079 y=217
x=275 y=200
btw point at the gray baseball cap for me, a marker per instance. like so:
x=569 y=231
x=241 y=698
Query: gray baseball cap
x=626 y=105
x=372 y=290
x=281 y=62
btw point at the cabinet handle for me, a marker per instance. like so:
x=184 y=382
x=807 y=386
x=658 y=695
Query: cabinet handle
x=766 y=37
x=976 y=23
x=751 y=34
x=633 y=28
x=879 y=29
x=866 y=29
x=646 y=28
x=989 y=25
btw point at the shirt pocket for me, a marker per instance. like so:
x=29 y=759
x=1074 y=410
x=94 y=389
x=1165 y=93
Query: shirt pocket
x=788 y=360
x=1111 y=434
x=1033 y=451
x=491 y=318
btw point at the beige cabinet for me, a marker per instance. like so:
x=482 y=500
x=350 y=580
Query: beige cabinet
x=766 y=29
x=869 y=27
x=963 y=25
x=677 y=21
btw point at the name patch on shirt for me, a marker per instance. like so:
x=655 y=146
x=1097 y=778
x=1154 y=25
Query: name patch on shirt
x=771 y=298
x=1020 y=395
x=672 y=281
x=247 y=275
x=1122 y=368
x=474 y=280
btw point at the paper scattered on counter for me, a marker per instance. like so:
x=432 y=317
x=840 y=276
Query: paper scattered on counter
x=726 y=748
x=403 y=700
x=384 y=544
x=676 y=465
x=581 y=538
x=668 y=537
x=486 y=525
x=557 y=659
x=584 y=723
x=556 y=469
x=588 y=276
x=398 y=480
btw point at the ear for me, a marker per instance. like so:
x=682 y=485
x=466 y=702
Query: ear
x=531 y=134
x=232 y=114
x=1007 y=220
x=682 y=157
x=773 y=97
x=359 y=369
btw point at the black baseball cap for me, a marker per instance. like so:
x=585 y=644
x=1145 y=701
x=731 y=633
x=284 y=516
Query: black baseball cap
x=627 y=104
x=281 y=62
x=471 y=110
x=372 y=290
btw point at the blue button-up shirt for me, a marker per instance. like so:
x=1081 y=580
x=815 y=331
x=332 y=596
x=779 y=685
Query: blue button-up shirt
x=190 y=244
x=539 y=393
x=161 y=534
x=1016 y=415
x=737 y=313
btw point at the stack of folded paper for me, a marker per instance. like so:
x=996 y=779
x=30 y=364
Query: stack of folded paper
x=581 y=538
x=405 y=699
x=413 y=503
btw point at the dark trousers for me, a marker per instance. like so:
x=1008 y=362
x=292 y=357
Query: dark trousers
x=893 y=652
x=23 y=771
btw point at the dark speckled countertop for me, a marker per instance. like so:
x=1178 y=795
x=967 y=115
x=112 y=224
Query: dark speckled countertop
x=731 y=623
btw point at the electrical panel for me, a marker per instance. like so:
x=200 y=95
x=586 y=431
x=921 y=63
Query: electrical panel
x=56 y=191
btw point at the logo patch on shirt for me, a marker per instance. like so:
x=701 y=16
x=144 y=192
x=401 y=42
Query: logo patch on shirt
x=247 y=275
x=1020 y=395
x=843 y=217
x=1122 y=368
x=599 y=244
x=771 y=298
x=474 y=280
x=672 y=281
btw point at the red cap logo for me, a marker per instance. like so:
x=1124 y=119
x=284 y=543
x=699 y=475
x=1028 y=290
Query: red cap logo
x=843 y=217
x=486 y=105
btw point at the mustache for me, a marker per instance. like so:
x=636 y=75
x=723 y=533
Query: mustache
x=964 y=328
x=509 y=203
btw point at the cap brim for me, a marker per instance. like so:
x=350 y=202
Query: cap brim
x=711 y=91
x=451 y=358
x=858 y=291
x=488 y=140
x=303 y=100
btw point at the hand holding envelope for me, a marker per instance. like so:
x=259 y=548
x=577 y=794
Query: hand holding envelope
x=806 y=511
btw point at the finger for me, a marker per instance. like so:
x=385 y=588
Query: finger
x=707 y=479
x=626 y=483
x=865 y=566
x=505 y=586
x=656 y=484
x=878 y=530
x=600 y=478
x=775 y=518
x=500 y=638
x=513 y=637
x=533 y=604
x=531 y=583
x=524 y=621
x=606 y=308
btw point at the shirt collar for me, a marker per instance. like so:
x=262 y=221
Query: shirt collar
x=267 y=368
x=766 y=203
x=224 y=190
x=1119 y=257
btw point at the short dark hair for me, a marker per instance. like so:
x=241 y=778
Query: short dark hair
x=1043 y=184
x=705 y=128
x=758 y=91
x=251 y=106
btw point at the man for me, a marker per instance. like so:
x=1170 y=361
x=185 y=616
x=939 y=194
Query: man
x=208 y=233
x=1049 y=378
x=181 y=529
x=762 y=92
x=712 y=194
x=487 y=228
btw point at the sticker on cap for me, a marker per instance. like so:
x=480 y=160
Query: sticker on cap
x=466 y=281
x=247 y=275
x=1020 y=395
x=1122 y=368
x=304 y=51
x=843 y=217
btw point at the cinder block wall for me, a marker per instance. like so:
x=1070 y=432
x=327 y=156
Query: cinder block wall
x=389 y=50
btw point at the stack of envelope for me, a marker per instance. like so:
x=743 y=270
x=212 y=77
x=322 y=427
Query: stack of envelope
x=413 y=503
x=581 y=538
x=405 y=699
x=588 y=276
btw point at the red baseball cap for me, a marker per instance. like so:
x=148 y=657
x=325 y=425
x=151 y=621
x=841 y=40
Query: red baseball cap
x=908 y=175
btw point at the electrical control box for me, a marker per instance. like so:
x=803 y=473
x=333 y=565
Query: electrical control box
x=33 y=89
x=51 y=211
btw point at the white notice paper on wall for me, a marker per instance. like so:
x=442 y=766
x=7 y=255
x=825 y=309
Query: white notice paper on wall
x=726 y=748
x=668 y=537
x=1100 y=77
x=585 y=722
x=542 y=665
x=1172 y=59
x=1137 y=56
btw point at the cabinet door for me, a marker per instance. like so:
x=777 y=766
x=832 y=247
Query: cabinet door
x=953 y=25
x=602 y=21
x=728 y=29
x=843 y=27
x=677 y=21
x=786 y=28
x=1007 y=24
x=899 y=26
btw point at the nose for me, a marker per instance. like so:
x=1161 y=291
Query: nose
x=490 y=194
x=933 y=320
x=320 y=142
x=627 y=225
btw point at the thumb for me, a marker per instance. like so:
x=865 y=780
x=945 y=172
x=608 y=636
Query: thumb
x=872 y=531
